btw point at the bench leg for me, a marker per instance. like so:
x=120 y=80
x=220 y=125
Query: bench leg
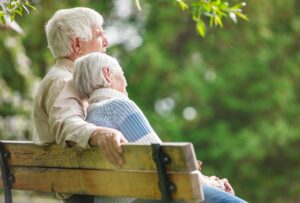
x=6 y=177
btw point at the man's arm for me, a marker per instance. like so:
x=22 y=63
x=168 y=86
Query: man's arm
x=66 y=121
x=109 y=142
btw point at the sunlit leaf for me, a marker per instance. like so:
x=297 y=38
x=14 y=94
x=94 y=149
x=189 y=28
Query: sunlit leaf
x=25 y=8
x=233 y=17
x=201 y=28
x=243 y=4
x=242 y=16
x=12 y=7
x=183 y=5
x=218 y=21
x=213 y=11
x=137 y=3
x=3 y=21
x=20 y=8
x=12 y=18
x=211 y=22
x=18 y=12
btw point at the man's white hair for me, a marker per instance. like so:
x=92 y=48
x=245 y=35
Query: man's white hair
x=68 y=23
x=88 y=75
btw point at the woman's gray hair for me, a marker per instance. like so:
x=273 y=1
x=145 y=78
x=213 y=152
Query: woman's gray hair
x=88 y=75
x=68 y=23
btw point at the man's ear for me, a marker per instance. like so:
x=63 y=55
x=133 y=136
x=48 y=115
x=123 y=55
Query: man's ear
x=107 y=74
x=75 y=45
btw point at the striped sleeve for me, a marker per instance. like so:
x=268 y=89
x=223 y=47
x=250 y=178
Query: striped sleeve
x=131 y=121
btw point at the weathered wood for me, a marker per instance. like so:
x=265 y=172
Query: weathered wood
x=54 y=169
x=104 y=182
x=136 y=156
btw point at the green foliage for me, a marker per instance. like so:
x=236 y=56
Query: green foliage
x=11 y=8
x=214 y=11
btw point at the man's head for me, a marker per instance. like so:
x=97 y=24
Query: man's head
x=74 y=32
x=98 y=70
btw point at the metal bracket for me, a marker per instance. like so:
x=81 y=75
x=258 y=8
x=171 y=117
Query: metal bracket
x=162 y=160
x=6 y=177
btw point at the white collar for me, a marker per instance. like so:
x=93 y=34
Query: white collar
x=103 y=94
x=66 y=63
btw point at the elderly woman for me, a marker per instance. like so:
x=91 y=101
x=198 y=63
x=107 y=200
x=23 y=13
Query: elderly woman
x=100 y=79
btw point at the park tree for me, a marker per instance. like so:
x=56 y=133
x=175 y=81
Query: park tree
x=214 y=10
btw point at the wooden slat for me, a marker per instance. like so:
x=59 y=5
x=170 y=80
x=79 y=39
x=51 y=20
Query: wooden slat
x=103 y=182
x=136 y=156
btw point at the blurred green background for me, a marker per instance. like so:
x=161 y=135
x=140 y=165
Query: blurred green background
x=234 y=94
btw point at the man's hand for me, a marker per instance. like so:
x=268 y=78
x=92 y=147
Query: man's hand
x=109 y=142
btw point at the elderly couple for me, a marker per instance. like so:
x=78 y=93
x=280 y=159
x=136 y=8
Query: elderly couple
x=82 y=102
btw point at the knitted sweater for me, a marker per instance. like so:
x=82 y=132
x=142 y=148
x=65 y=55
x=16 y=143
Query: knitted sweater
x=110 y=108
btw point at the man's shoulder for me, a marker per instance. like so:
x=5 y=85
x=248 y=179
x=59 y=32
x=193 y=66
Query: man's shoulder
x=52 y=84
x=56 y=73
x=56 y=77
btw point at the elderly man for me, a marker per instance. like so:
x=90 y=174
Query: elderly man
x=100 y=78
x=58 y=111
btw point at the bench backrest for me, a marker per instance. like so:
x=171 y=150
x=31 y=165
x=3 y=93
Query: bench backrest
x=54 y=169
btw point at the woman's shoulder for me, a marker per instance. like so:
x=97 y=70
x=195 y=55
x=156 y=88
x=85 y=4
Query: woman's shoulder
x=114 y=105
x=122 y=102
x=123 y=106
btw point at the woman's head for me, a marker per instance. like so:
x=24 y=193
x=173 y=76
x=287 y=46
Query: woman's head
x=98 y=70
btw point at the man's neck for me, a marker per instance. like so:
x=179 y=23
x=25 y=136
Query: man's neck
x=72 y=57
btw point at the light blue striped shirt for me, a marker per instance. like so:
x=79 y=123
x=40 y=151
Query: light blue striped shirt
x=110 y=108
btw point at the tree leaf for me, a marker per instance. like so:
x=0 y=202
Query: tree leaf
x=233 y=17
x=12 y=17
x=20 y=8
x=218 y=21
x=183 y=5
x=201 y=27
x=3 y=21
x=242 y=16
x=18 y=12
x=218 y=2
x=33 y=8
x=25 y=8
x=211 y=22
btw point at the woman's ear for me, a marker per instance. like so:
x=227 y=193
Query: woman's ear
x=75 y=45
x=107 y=74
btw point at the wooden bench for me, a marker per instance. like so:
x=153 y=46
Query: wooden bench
x=167 y=171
